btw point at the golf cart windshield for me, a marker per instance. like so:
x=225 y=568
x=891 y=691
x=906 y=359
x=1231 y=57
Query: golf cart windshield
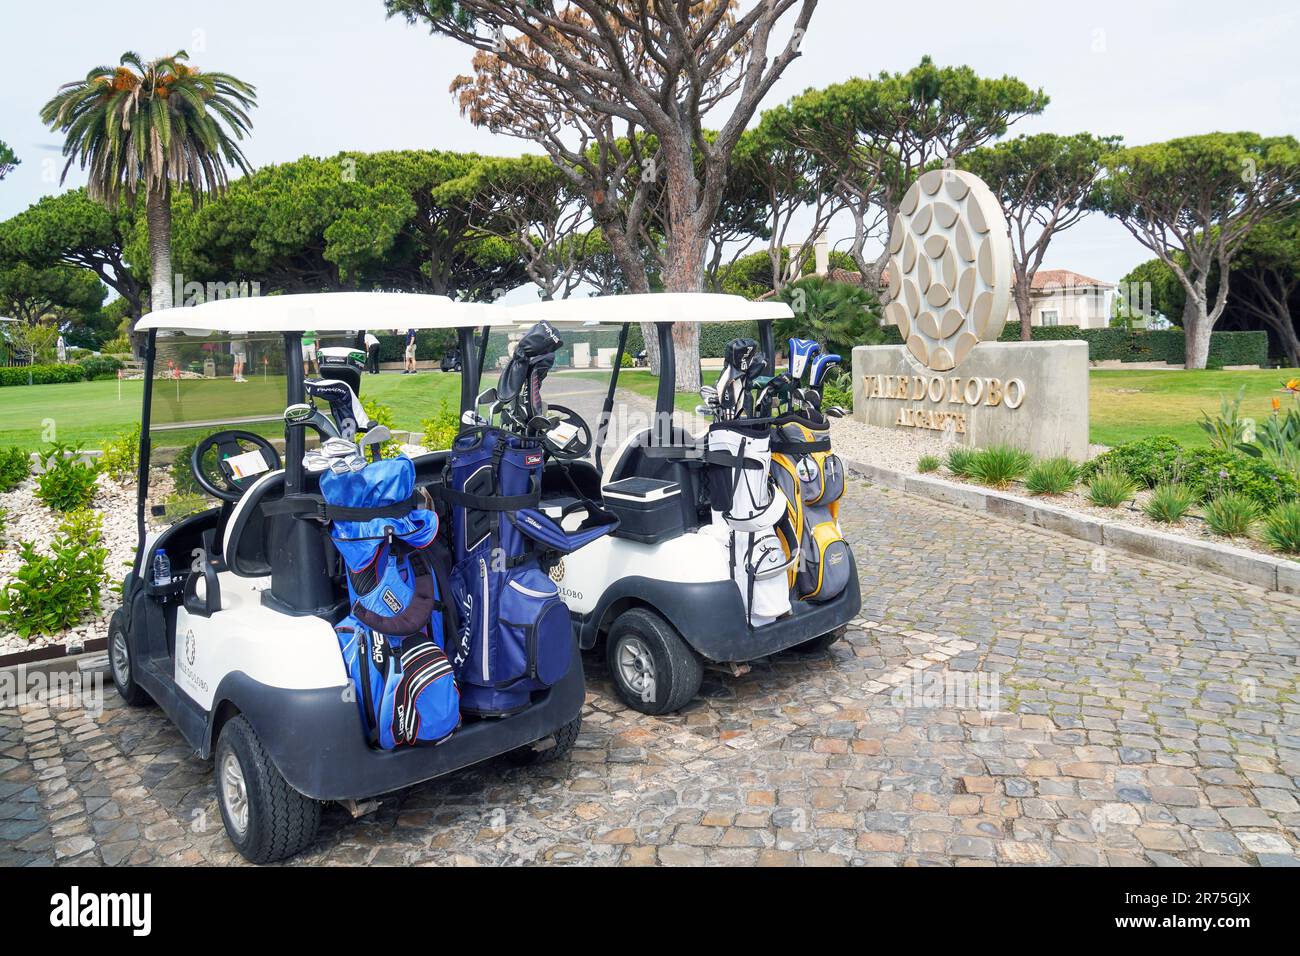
x=203 y=385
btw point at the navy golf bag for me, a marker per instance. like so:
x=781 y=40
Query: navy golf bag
x=393 y=639
x=515 y=636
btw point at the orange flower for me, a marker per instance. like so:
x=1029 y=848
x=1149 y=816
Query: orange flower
x=1293 y=386
x=1277 y=404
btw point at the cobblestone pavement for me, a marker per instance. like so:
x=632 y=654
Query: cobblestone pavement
x=1145 y=718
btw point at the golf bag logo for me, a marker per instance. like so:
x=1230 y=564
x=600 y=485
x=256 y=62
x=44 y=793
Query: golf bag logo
x=377 y=649
x=557 y=571
x=190 y=647
x=391 y=600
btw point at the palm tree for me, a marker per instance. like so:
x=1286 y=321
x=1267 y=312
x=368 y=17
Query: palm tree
x=146 y=126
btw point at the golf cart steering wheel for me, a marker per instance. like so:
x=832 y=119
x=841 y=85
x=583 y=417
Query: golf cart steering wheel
x=229 y=444
x=580 y=445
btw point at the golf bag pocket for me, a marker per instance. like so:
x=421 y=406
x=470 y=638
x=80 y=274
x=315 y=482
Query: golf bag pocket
x=536 y=630
x=823 y=558
x=420 y=703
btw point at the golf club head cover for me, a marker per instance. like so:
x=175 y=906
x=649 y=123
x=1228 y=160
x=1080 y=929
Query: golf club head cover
x=801 y=352
x=349 y=414
x=821 y=365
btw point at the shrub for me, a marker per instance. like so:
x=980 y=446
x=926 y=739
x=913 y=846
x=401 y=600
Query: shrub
x=1110 y=488
x=100 y=366
x=117 y=346
x=440 y=430
x=15 y=468
x=999 y=466
x=627 y=361
x=41 y=374
x=121 y=455
x=1231 y=514
x=928 y=463
x=1207 y=471
x=1162 y=345
x=837 y=389
x=382 y=414
x=1053 y=476
x=959 y=460
x=1169 y=502
x=1281 y=528
x=51 y=592
x=66 y=483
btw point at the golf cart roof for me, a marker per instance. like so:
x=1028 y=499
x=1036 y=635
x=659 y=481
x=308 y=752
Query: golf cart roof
x=651 y=307
x=327 y=312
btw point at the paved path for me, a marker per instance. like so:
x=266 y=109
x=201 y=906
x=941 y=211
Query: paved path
x=1144 y=718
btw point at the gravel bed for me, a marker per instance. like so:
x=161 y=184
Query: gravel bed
x=27 y=519
x=900 y=450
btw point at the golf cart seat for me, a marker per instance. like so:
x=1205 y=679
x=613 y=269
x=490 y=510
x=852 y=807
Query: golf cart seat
x=246 y=545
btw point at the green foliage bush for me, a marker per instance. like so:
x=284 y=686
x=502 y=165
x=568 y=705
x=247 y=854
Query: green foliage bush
x=1110 y=488
x=1281 y=528
x=1163 y=345
x=999 y=466
x=1052 y=476
x=41 y=374
x=429 y=344
x=121 y=455
x=928 y=463
x=1231 y=515
x=51 y=592
x=1169 y=502
x=100 y=366
x=15 y=467
x=382 y=414
x=1208 y=471
x=441 y=429
x=838 y=390
x=66 y=483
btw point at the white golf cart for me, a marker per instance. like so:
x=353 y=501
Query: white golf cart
x=228 y=613
x=659 y=590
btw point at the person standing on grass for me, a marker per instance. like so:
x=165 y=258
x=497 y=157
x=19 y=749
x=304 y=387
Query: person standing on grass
x=372 y=353
x=309 y=352
x=410 y=352
x=238 y=351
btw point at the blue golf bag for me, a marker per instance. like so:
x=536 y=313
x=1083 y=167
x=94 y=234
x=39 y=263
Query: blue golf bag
x=515 y=635
x=393 y=640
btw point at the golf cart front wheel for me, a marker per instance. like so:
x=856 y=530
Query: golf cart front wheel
x=265 y=818
x=121 y=666
x=823 y=642
x=654 y=671
x=556 y=746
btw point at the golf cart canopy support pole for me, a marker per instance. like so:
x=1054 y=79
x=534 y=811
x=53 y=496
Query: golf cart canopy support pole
x=142 y=473
x=666 y=396
x=471 y=366
x=602 y=427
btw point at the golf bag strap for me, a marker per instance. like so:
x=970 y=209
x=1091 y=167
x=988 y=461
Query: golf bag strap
x=415 y=617
x=784 y=447
x=315 y=506
x=489 y=502
x=696 y=455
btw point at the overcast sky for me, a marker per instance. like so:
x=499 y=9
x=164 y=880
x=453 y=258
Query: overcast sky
x=335 y=74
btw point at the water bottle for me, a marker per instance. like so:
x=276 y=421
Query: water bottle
x=162 y=568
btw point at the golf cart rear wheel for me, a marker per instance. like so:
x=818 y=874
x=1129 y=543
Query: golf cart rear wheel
x=653 y=669
x=265 y=818
x=822 y=643
x=562 y=742
x=121 y=666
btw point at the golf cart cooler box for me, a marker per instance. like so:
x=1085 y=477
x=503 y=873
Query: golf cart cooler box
x=648 y=509
x=315 y=739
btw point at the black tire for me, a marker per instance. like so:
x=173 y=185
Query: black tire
x=677 y=671
x=121 y=663
x=564 y=739
x=823 y=642
x=280 y=821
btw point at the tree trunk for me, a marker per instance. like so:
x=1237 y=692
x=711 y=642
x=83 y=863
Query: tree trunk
x=1196 y=328
x=685 y=273
x=158 y=214
x=1024 y=308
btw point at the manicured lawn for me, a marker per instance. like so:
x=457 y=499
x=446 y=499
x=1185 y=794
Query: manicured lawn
x=1127 y=405
x=90 y=413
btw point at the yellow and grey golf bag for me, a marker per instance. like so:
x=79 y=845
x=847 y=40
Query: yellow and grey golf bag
x=811 y=476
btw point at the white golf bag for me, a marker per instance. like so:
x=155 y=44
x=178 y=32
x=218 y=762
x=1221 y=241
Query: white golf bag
x=747 y=507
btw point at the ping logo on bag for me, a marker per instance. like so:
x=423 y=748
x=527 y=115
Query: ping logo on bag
x=391 y=600
x=377 y=649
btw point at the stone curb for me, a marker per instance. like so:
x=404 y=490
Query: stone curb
x=1272 y=574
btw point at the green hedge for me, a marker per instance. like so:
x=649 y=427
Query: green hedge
x=41 y=374
x=100 y=366
x=429 y=345
x=714 y=337
x=1164 y=345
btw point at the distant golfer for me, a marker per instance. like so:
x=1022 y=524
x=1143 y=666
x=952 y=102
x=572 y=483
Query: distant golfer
x=309 y=352
x=62 y=347
x=239 y=352
x=410 y=352
x=372 y=353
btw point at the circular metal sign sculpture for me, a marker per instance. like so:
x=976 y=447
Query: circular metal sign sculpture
x=949 y=267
